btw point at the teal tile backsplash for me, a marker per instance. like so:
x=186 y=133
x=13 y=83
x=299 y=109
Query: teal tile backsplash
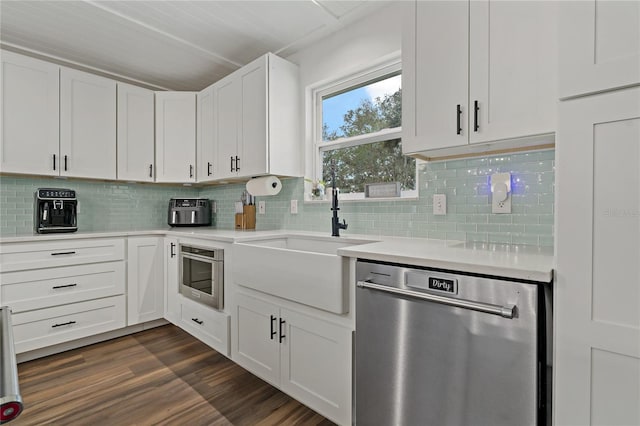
x=107 y=206
x=102 y=206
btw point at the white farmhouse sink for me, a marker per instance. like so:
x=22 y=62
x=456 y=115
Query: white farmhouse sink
x=304 y=269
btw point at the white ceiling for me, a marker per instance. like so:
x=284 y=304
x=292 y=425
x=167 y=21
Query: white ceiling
x=175 y=45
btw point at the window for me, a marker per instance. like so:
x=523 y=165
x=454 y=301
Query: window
x=358 y=128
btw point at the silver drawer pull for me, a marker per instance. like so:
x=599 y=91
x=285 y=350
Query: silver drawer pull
x=64 y=286
x=487 y=308
x=63 y=324
x=63 y=253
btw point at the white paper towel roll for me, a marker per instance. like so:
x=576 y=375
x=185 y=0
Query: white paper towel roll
x=266 y=185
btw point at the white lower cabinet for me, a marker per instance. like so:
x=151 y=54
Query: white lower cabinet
x=171 y=279
x=47 y=254
x=43 y=288
x=305 y=356
x=256 y=343
x=45 y=327
x=145 y=283
x=206 y=324
x=61 y=291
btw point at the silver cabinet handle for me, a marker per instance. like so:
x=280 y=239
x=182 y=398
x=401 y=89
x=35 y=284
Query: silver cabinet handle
x=487 y=308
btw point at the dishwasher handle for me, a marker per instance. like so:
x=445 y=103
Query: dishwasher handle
x=487 y=308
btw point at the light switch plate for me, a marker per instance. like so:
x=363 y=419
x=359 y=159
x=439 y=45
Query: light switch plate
x=294 y=206
x=262 y=207
x=439 y=204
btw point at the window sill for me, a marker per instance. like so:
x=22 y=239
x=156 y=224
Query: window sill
x=363 y=200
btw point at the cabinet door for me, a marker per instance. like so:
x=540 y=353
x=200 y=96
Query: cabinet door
x=30 y=115
x=599 y=46
x=252 y=140
x=512 y=69
x=176 y=136
x=205 y=135
x=597 y=315
x=171 y=280
x=316 y=365
x=135 y=133
x=145 y=284
x=226 y=122
x=435 y=76
x=87 y=125
x=256 y=346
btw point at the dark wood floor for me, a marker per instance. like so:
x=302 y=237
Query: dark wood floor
x=159 y=376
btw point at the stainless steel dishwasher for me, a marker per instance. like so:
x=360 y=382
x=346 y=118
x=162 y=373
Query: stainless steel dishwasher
x=441 y=348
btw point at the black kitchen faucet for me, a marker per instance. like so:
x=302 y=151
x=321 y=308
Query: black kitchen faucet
x=336 y=226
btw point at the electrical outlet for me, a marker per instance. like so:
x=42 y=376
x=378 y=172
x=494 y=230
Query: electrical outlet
x=214 y=207
x=294 y=206
x=262 y=207
x=439 y=204
x=501 y=193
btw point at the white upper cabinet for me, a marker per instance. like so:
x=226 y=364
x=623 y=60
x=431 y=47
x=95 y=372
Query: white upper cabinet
x=256 y=120
x=435 y=75
x=512 y=69
x=253 y=140
x=176 y=136
x=226 y=125
x=206 y=148
x=135 y=133
x=599 y=46
x=87 y=125
x=30 y=115
x=478 y=72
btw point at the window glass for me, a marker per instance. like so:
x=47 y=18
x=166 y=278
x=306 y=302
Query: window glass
x=370 y=163
x=358 y=127
x=363 y=109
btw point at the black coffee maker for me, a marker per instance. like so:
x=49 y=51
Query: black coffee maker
x=55 y=210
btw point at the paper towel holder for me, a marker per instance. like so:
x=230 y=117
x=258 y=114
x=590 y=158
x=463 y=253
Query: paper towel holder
x=269 y=185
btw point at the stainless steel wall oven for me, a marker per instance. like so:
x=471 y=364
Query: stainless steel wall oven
x=202 y=274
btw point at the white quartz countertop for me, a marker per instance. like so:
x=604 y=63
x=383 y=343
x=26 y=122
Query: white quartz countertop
x=504 y=260
x=223 y=235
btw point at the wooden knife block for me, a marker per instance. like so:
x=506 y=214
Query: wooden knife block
x=246 y=219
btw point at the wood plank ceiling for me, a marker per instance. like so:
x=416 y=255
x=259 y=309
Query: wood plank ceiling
x=175 y=45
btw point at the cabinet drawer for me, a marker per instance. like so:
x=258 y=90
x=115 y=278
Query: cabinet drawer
x=43 y=288
x=45 y=327
x=46 y=254
x=206 y=324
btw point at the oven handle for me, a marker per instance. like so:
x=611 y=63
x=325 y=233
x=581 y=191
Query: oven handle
x=199 y=258
x=487 y=308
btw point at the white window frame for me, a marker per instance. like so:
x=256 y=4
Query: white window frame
x=390 y=66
